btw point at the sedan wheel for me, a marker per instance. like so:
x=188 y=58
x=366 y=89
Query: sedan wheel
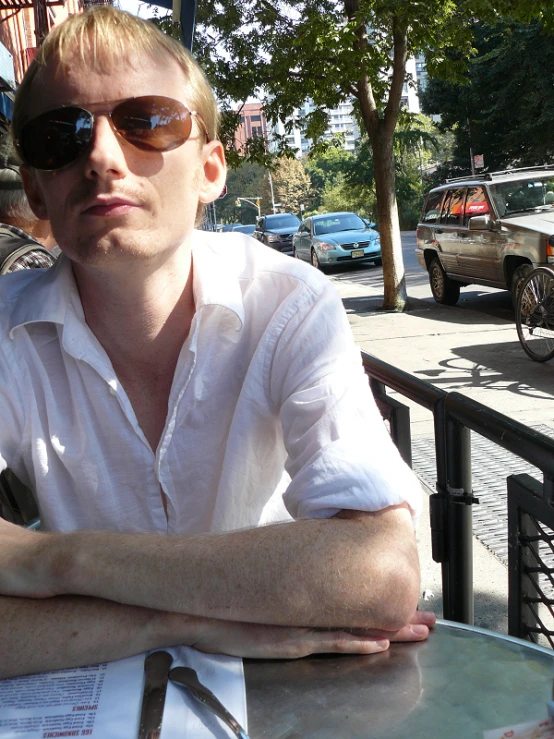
x=295 y=253
x=315 y=260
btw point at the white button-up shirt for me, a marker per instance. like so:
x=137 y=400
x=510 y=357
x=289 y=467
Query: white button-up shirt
x=268 y=379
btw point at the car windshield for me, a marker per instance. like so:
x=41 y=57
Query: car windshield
x=283 y=221
x=332 y=224
x=521 y=196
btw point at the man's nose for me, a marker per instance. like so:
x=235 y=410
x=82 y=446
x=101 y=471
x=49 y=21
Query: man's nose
x=105 y=155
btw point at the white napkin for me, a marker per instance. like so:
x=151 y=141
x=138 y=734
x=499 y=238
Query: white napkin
x=104 y=701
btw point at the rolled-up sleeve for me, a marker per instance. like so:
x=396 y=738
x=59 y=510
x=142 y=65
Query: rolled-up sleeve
x=340 y=454
x=12 y=404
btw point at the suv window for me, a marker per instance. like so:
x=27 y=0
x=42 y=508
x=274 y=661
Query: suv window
x=453 y=207
x=476 y=203
x=520 y=196
x=432 y=209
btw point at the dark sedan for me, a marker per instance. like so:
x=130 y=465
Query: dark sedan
x=276 y=230
x=332 y=239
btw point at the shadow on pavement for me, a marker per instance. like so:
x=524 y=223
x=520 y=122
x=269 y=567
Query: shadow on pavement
x=513 y=370
x=502 y=367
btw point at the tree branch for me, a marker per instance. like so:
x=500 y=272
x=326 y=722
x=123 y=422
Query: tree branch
x=400 y=55
x=368 y=108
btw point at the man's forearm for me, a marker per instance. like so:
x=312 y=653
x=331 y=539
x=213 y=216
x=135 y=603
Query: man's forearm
x=69 y=631
x=319 y=573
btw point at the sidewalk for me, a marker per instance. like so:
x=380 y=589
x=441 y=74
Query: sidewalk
x=456 y=349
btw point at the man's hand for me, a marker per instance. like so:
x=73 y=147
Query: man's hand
x=285 y=642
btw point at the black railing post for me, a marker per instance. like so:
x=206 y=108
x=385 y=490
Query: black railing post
x=438 y=502
x=458 y=605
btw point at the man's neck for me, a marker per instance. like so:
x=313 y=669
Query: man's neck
x=142 y=317
x=142 y=309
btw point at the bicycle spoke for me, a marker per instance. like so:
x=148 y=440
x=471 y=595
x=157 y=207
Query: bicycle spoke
x=535 y=315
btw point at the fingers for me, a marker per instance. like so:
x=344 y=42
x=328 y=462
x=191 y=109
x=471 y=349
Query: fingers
x=342 y=642
x=424 y=617
x=416 y=630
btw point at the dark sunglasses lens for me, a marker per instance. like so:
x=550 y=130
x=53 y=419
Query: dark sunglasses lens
x=153 y=122
x=56 y=138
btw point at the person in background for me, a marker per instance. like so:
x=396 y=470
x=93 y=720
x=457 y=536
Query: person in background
x=19 y=227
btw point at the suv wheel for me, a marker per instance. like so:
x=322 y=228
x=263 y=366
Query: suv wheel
x=517 y=281
x=445 y=290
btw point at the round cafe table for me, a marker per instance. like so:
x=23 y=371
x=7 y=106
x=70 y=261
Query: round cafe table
x=460 y=682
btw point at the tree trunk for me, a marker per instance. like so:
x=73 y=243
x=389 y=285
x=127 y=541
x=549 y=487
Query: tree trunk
x=394 y=279
x=380 y=130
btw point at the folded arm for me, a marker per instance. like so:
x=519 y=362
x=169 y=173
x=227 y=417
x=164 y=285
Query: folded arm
x=281 y=591
x=356 y=570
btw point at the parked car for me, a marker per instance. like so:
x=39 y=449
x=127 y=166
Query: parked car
x=334 y=238
x=225 y=227
x=490 y=229
x=276 y=230
x=247 y=228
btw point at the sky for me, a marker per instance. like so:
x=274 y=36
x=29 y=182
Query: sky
x=144 y=10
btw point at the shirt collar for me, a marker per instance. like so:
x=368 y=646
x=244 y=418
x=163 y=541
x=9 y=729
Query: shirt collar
x=215 y=278
x=47 y=297
x=215 y=282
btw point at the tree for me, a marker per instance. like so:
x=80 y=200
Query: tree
x=505 y=110
x=291 y=185
x=288 y=51
x=244 y=182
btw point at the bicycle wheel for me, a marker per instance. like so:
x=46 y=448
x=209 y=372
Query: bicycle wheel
x=535 y=314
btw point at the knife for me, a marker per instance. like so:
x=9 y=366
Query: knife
x=188 y=678
x=156 y=671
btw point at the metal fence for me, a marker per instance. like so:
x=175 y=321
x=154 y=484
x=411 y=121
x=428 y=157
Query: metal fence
x=530 y=503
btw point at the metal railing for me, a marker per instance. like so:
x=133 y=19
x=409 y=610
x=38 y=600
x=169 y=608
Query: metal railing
x=531 y=574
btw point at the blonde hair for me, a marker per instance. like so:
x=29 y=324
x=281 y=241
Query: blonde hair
x=109 y=36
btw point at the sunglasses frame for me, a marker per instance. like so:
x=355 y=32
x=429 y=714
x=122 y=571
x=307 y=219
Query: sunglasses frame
x=108 y=113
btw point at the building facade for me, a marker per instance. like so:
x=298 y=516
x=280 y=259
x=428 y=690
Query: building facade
x=23 y=26
x=252 y=124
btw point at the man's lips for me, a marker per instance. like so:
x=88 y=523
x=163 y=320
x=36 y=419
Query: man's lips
x=109 y=207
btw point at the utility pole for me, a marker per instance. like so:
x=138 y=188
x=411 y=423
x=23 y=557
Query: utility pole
x=470 y=148
x=271 y=189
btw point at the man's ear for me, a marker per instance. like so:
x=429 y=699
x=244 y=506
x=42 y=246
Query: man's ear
x=215 y=171
x=33 y=191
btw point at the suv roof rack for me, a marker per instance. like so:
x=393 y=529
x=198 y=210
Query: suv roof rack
x=501 y=173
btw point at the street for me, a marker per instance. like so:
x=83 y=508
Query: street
x=486 y=300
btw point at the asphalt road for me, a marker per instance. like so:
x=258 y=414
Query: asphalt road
x=487 y=300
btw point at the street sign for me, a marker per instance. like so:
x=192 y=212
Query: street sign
x=479 y=161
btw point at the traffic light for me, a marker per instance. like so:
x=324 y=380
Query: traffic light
x=257 y=202
x=238 y=203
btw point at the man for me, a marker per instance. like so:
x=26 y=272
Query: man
x=156 y=382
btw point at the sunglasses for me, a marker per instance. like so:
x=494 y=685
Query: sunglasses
x=57 y=138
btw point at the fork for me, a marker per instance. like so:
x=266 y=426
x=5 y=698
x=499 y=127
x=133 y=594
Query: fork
x=187 y=677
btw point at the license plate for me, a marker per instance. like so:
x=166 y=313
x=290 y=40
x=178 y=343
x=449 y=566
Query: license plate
x=357 y=253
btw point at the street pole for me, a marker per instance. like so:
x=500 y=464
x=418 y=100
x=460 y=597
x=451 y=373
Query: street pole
x=271 y=188
x=470 y=148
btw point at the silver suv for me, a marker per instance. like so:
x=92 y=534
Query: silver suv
x=491 y=229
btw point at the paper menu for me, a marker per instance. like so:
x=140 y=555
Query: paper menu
x=103 y=701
